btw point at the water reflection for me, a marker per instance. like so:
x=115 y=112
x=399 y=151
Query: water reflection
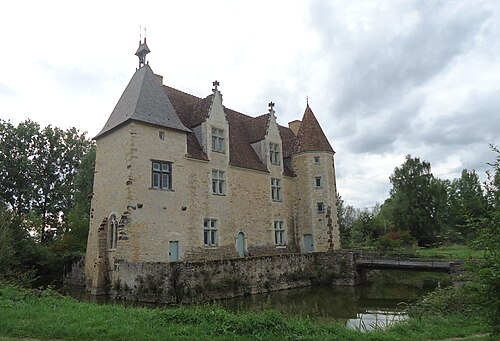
x=375 y=304
x=380 y=301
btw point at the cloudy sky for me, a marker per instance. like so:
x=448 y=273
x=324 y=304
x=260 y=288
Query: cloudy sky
x=384 y=78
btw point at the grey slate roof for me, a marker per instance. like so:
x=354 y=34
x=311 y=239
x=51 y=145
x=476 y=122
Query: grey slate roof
x=144 y=100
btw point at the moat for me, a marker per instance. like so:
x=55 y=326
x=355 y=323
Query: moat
x=381 y=300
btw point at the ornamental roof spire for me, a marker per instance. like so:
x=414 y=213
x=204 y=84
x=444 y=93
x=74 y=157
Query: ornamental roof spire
x=142 y=50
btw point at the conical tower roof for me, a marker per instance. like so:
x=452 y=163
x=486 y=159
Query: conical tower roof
x=310 y=136
x=144 y=100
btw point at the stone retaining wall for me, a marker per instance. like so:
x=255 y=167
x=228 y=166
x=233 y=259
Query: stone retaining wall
x=194 y=282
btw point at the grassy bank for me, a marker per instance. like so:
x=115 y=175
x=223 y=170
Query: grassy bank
x=43 y=315
x=451 y=252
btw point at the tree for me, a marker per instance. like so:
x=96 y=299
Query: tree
x=17 y=147
x=466 y=202
x=488 y=231
x=346 y=215
x=37 y=172
x=416 y=198
x=74 y=240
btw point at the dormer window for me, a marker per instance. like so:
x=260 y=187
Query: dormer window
x=274 y=153
x=217 y=140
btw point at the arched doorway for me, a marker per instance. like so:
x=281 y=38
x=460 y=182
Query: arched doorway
x=240 y=244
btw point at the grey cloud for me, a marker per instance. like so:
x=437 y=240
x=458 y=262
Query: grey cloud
x=384 y=63
x=76 y=79
x=477 y=121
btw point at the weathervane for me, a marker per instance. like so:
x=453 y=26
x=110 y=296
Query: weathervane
x=143 y=49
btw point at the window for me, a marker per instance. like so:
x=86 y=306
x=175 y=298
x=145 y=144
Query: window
x=113 y=232
x=318 y=181
x=161 y=177
x=218 y=182
x=274 y=153
x=161 y=135
x=279 y=233
x=218 y=140
x=276 y=189
x=210 y=232
x=317 y=159
x=321 y=207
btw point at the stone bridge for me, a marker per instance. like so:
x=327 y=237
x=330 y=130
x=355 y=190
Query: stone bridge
x=379 y=261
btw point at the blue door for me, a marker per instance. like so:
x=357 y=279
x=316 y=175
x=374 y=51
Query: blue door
x=308 y=243
x=173 y=251
x=240 y=244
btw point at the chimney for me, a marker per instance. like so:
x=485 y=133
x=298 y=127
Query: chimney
x=294 y=125
x=159 y=78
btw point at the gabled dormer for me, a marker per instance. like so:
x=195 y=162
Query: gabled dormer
x=215 y=130
x=267 y=142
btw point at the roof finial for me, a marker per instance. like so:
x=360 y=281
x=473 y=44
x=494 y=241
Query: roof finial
x=143 y=49
x=271 y=107
x=307 y=100
x=215 y=84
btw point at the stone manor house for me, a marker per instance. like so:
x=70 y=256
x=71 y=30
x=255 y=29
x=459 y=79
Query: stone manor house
x=183 y=178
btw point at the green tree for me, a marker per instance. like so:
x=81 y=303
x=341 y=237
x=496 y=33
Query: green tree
x=417 y=199
x=58 y=157
x=467 y=202
x=346 y=217
x=488 y=237
x=74 y=240
x=17 y=147
x=368 y=226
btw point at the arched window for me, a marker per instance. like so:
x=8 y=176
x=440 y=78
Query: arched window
x=113 y=232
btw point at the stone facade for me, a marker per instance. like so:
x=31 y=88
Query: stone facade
x=182 y=179
x=203 y=281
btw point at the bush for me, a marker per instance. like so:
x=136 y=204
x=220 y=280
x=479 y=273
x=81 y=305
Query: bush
x=395 y=240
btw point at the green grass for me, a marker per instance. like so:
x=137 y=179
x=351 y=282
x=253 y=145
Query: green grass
x=44 y=316
x=451 y=252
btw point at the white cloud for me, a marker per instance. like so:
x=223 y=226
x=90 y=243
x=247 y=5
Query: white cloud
x=385 y=78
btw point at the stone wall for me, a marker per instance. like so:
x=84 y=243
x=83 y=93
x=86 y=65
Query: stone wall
x=202 y=281
x=74 y=272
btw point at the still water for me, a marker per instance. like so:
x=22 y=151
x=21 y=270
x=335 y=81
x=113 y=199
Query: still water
x=379 y=302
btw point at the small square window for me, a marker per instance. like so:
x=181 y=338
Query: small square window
x=318 y=181
x=321 y=207
x=161 y=135
x=317 y=159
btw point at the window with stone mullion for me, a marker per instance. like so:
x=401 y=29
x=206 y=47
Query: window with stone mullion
x=276 y=189
x=210 y=237
x=279 y=233
x=218 y=182
x=274 y=153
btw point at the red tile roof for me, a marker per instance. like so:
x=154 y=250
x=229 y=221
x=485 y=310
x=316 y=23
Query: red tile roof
x=310 y=136
x=245 y=130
